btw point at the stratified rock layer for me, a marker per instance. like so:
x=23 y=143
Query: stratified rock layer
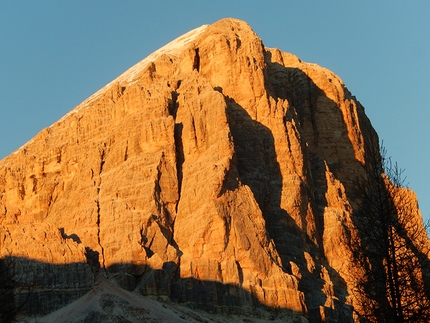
x=216 y=172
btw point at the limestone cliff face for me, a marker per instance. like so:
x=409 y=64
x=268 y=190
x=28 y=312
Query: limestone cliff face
x=215 y=172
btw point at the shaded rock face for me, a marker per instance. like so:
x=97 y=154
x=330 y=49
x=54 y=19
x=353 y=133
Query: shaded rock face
x=216 y=173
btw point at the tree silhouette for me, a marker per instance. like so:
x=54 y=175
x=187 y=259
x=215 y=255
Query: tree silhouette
x=389 y=246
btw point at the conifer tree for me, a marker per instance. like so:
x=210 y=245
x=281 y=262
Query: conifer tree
x=390 y=260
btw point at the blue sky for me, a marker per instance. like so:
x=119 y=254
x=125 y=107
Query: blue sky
x=54 y=54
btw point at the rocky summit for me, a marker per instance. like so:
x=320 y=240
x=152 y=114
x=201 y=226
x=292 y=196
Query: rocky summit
x=216 y=174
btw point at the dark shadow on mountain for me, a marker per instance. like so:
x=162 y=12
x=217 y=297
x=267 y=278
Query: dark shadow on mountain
x=258 y=168
x=72 y=236
x=223 y=299
x=92 y=257
x=325 y=146
x=308 y=105
x=38 y=288
x=48 y=287
x=8 y=306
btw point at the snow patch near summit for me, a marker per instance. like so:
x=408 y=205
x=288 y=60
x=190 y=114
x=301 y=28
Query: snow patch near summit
x=172 y=49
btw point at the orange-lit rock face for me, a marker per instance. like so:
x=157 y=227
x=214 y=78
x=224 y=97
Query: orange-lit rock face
x=215 y=159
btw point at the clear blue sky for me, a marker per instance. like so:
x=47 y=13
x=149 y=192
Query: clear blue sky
x=54 y=54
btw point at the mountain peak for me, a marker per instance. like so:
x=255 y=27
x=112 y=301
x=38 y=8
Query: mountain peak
x=173 y=49
x=216 y=173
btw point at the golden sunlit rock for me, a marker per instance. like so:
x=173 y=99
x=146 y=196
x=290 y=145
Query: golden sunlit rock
x=217 y=172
